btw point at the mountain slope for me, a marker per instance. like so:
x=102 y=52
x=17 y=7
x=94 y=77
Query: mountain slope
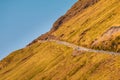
x=89 y=26
x=76 y=9
x=49 y=60
x=89 y=23
x=85 y=25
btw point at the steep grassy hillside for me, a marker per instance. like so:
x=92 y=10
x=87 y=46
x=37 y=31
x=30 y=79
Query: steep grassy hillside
x=87 y=23
x=50 y=61
x=76 y=9
x=91 y=24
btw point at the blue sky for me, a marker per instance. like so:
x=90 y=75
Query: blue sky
x=21 y=21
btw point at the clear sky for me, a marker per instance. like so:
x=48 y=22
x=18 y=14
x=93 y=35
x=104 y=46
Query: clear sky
x=21 y=21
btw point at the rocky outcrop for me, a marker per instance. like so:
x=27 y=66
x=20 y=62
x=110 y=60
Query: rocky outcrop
x=46 y=36
x=109 y=34
x=109 y=40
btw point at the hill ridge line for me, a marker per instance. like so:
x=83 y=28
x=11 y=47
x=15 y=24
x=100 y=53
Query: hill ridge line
x=78 y=48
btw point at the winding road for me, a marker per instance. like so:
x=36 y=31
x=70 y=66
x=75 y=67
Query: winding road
x=79 y=48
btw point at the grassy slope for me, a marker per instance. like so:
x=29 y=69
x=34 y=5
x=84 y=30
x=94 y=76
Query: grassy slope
x=89 y=25
x=53 y=61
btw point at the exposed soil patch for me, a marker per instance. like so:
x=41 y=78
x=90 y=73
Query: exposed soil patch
x=77 y=53
x=108 y=34
x=112 y=31
x=108 y=39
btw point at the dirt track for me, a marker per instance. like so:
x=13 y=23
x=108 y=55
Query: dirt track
x=79 y=48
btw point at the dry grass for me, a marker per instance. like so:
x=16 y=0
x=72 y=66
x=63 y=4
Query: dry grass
x=89 y=25
x=51 y=61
